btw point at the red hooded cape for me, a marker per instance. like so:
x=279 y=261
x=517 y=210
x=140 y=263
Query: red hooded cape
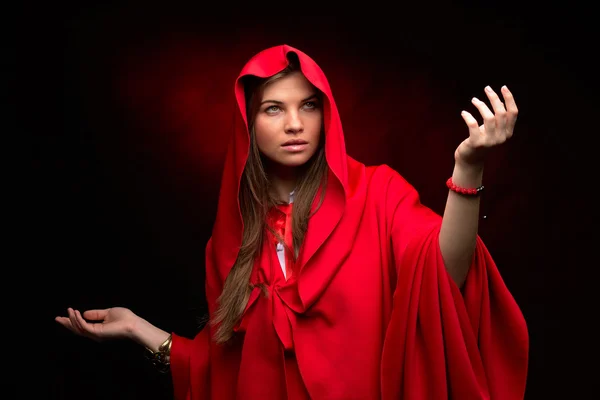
x=372 y=313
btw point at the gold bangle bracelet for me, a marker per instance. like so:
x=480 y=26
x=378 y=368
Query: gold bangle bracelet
x=160 y=358
x=165 y=346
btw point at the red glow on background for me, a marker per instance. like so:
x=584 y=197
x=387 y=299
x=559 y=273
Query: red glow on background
x=182 y=91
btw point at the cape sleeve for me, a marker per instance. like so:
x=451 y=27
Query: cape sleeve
x=190 y=358
x=189 y=365
x=440 y=342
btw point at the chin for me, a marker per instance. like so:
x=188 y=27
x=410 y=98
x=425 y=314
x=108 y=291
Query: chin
x=277 y=158
x=300 y=161
x=292 y=160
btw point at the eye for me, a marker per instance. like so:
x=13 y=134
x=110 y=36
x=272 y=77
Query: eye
x=311 y=105
x=272 y=109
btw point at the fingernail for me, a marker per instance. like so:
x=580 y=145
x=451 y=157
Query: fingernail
x=488 y=89
x=474 y=99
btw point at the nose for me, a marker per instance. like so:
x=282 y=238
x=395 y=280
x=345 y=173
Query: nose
x=293 y=123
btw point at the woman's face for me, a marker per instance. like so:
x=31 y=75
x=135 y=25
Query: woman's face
x=289 y=120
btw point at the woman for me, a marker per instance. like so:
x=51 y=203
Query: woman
x=327 y=278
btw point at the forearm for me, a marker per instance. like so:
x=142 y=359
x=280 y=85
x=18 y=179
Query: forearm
x=460 y=223
x=148 y=335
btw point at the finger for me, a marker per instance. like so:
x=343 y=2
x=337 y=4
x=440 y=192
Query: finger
x=66 y=322
x=95 y=315
x=74 y=322
x=489 y=121
x=499 y=110
x=472 y=124
x=511 y=109
x=82 y=323
x=85 y=326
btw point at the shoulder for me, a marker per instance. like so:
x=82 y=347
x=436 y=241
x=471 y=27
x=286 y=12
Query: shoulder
x=381 y=182
x=384 y=178
x=379 y=174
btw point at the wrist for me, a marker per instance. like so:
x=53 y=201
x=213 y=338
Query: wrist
x=146 y=334
x=467 y=175
x=136 y=328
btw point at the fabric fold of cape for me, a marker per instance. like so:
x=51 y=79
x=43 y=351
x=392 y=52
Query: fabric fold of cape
x=372 y=312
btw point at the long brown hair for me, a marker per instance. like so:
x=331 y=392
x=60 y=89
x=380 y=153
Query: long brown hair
x=255 y=201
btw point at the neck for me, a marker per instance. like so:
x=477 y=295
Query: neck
x=283 y=182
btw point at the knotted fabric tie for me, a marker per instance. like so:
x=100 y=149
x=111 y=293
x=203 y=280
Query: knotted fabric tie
x=280 y=220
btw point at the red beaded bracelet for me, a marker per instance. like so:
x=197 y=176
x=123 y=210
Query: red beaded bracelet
x=460 y=190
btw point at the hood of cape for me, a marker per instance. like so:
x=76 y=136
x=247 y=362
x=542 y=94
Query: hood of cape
x=228 y=226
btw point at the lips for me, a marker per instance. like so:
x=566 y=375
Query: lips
x=295 y=142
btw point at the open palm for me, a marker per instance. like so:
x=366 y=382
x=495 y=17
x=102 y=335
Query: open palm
x=99 y=325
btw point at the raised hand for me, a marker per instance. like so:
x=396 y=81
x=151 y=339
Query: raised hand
x=99 y=325
x=497 y=127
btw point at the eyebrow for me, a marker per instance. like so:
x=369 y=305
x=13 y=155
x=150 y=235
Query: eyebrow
x=281 y=102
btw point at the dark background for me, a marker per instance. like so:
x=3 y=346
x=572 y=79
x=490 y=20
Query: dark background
x=128 y=110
